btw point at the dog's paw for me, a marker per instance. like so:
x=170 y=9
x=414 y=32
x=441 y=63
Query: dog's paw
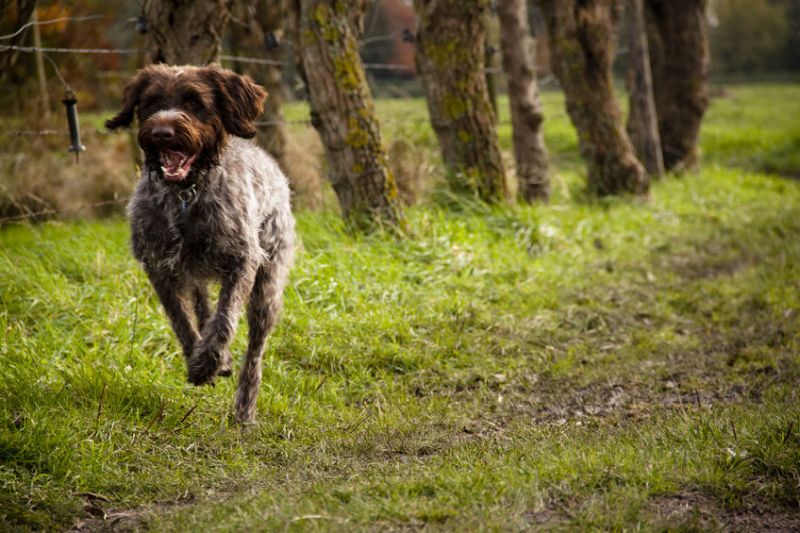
x=225 y=367
x=244 y=403
x=201 y=375
x=245 y=415
x=203 y=365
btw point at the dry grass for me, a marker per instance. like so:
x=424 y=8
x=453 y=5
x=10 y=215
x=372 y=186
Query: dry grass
x=42 y=180
x=304 y=159
x=413 y=169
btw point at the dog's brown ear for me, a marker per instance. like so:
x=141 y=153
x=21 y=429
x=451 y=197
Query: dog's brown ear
x=131 y=97
x=240 y=100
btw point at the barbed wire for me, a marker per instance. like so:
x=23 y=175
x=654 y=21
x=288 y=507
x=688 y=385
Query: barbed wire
x=47 y=132
x=304 y=122
x=31 y=133
x=50 y=21
x=239 y=59
x=257 y=123
x=378 y=38
x=49 y=211
x=58 y=73
x=50 y=50
x=254 y=60
x=388 y=66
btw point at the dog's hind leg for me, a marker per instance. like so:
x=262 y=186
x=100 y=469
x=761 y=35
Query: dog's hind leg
x=202 y=309
x=266 y=300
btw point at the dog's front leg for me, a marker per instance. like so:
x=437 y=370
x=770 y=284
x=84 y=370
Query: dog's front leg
x=169 y=290
x=218 y=332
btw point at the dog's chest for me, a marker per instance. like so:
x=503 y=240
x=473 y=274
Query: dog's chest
x=208 y=235
x=197 y=234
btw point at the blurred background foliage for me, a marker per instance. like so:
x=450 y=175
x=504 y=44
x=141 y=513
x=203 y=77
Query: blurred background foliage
x=749 y=39
x=755 y=37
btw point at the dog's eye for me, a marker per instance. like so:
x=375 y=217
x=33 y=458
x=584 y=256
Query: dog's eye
x=194 y=102
x=148 y=108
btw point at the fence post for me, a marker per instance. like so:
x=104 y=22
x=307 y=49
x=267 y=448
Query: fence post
x=37 y=43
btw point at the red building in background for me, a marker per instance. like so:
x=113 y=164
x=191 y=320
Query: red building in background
x=385 y=27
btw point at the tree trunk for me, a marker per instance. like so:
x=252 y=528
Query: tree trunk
x=581 y=37
x=185 y=33
x=260 y=33
x=491 y=63
x=450 y=43
x=642 y=118
x=24 y=12
x=342 y=110
x=519 y=50
x=679 y=57
x=271 y=16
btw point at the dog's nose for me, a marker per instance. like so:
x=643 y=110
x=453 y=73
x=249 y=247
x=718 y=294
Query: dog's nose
x=163 y=132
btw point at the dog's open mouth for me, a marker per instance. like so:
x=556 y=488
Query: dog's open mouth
x=176 y=165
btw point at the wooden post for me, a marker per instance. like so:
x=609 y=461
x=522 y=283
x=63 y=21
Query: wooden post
x=37 y=43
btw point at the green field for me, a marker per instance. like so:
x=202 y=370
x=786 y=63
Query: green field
x=589 y=364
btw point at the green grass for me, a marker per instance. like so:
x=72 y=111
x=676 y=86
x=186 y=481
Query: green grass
x=589 y=364
x=753 y=127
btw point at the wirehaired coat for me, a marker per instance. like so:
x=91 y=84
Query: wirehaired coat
x=210 y=206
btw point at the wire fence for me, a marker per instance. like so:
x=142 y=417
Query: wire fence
x=48 y=211
x=24 y=212
x=236 y=59
x=49 y=21
x=258 y=123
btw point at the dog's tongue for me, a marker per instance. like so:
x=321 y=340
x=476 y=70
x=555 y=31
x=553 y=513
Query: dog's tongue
x=176 y=165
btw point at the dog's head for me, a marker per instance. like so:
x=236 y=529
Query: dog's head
x=185 y=114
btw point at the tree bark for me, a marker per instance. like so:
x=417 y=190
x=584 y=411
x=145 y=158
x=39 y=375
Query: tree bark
x=271 y=15
x=450 y=56
x=519 y=63
x=679 y=57
x=185 y=33
x=642 y=118
x=491 y=49
x=581 y=37
x=24 y=12
x=342 y=110
x=260 y=30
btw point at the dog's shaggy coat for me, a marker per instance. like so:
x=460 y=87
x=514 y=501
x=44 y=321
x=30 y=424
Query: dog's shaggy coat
x=210 y=206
